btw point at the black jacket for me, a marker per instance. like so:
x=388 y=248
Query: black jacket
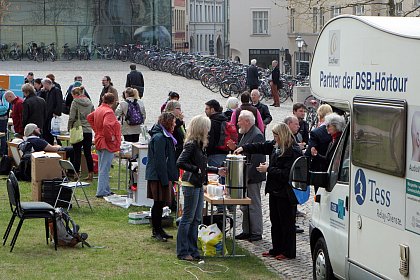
x=252 y=76
x=275 y=76
x=265 y=113
x=193 y=160
x=320 y=139
x=179 y=135
x=54 y=100
x=278 y=169
x=304 y=130
x=214 y=135
x=135 y=80
x=34 y=111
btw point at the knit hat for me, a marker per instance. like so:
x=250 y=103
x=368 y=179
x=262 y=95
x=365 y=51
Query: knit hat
x=29 y=129
x=77 y=84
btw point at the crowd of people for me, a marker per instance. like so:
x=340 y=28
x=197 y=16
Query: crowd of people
x=195 y=150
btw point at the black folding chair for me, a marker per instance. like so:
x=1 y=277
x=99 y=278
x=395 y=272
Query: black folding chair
x=27 y=210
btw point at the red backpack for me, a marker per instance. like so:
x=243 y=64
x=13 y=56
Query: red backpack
x=228 y=132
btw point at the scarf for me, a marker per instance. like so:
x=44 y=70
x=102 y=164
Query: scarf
x=169 y=134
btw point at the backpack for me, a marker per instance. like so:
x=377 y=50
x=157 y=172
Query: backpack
x=67 y=230
x=23 y=171
x=6 y=164
x=227 y=132
x=133 y=116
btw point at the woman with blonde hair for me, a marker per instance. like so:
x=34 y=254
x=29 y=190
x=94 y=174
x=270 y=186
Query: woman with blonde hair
x=193 y=160
x=283 y=151
x=130 y=132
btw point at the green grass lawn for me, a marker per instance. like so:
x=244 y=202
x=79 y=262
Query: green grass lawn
x=129 y=251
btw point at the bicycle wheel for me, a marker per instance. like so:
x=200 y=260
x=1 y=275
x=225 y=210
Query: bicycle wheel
x=224 y=89
x=234 y=90
x=311 y=102
x=14 y=55
x=283 y=95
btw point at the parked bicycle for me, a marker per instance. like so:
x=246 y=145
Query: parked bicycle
x=15 y=52
x=67 y=53
x=311 y=103
x=30 y=52
x=3 y=52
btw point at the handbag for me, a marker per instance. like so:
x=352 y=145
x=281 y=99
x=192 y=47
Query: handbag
x=76 y=132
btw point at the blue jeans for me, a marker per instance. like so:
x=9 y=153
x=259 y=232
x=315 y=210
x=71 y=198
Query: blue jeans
x=105 y=158
x=186 y=240
x=3 y=128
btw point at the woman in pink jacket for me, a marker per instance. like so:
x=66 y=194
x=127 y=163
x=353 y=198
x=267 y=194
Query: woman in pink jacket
x=107 y=140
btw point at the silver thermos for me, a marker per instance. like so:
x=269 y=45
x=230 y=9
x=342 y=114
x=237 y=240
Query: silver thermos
x=235 y=177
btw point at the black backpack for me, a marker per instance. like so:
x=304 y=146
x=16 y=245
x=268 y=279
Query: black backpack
x=6 y=164
x=23 y=171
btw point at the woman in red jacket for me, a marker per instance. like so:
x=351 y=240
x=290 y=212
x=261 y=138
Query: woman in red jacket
x=107 y=140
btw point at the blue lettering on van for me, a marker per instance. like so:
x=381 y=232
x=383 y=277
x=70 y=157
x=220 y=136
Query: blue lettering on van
x=364 y=81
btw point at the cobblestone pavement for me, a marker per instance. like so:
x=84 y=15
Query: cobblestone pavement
x=193 y=96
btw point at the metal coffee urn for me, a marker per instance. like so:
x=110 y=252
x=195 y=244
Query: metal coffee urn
x=235 y=182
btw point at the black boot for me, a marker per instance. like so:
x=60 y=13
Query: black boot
x=164 y=234
x=156 y=234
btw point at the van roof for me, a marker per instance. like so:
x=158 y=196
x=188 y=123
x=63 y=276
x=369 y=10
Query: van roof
x=401 y=26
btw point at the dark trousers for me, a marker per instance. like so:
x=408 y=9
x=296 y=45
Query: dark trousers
x=3 y=128
x=283 y=233
x=157 y=210
x=131 y=137
x=86 y=143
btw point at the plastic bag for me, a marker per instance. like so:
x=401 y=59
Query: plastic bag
x=211 y=240
x=302 y=196
x=55 y=126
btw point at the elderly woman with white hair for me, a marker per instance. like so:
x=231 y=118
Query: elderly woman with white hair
x=335 y=125
x=231 y=105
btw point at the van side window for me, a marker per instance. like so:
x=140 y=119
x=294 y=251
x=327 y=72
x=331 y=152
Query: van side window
x=340 y=162
x=379 y=134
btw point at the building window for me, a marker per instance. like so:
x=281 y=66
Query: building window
x=260 y=22
x=321 y=17
x=399 y=9
x=315 y=20
x=292 y=20
x=359 y=10
x=335 y=11
x=416 y=3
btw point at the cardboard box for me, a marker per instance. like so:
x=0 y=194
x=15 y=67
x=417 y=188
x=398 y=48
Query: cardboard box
x=138 y=218
x=43 y=166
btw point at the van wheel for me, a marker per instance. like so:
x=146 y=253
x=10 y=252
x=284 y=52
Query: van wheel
x=321 y=266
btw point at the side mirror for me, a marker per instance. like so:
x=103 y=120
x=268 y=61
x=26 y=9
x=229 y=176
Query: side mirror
x=299 y=173
x=300 y=177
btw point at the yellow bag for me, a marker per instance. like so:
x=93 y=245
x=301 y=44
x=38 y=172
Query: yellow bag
x=211 y=240
x=76 y=132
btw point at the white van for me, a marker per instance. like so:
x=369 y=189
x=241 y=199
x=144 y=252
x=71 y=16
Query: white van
x=366 y=217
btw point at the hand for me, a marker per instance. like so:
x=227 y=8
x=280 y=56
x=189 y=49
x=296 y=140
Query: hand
x=238 y=151
x=231 y=145
x=222 y=171
x=302 y=145
x=263 y=167
x=314 y=152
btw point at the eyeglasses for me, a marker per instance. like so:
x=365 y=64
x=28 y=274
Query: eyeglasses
x=179 y=108
x=275 y=134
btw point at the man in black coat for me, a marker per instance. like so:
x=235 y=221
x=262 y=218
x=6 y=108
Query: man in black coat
x=34 y=107
x=262 y=108
x=252 y=75
x=135 y=80
x=319 y=139
x=275 y=83
x=54 y=99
